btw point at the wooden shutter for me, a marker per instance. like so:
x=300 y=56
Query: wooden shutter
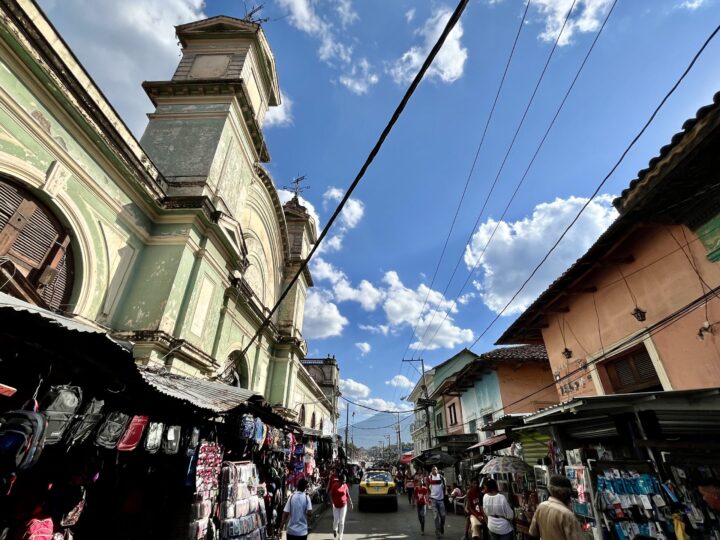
x=633 y=372
x=37 y=244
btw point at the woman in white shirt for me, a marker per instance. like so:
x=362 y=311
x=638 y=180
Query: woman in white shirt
x=500 y=515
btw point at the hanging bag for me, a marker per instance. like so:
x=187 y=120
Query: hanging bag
x=84 y=423
x=171 y=440
x=111 y=430
x=154 y=437
x=59 y=406
x=133 y=434
x=22 y=437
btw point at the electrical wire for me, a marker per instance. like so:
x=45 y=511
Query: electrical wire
x=527 y=169
x=452 y=21
x=471 y=171
x=623 y=344
x=497 y=176
x=602 y=183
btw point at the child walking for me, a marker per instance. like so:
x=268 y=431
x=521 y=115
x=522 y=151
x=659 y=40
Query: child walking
x=340 y=496
x=421 y=501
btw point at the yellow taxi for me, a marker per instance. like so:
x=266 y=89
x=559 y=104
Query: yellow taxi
x=378 y=486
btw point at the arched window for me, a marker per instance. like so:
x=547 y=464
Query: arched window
x=312 y=421
x=237 y=360
x=35 y=253
x=321 y=425
x=301 y=417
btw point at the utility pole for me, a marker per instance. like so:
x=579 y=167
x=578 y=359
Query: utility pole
x=352 y=437
x=347 y=427
x=399 y=441
x=427 y=398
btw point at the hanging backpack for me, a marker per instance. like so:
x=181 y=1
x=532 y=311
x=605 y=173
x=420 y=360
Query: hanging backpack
x=171 y=440
x=84 y=423
x=112 y=429
x=22 y=437
x=59 y=406
x=247 y=426
x=154 y=437
x=133 y=434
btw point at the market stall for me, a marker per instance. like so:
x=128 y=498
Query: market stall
x=88 y=438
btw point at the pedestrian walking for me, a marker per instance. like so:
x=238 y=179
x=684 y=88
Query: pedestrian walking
x=421 y=501
x=341 y=500
x=410 y=488
x=296 y=513
x=499 y=513
x=473 y=509
x=436 y=483
x=553 y=519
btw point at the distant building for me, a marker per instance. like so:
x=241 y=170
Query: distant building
x=326 y=374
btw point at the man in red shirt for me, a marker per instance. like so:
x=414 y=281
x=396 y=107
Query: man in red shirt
x=340 y=495
x=473 y=508
x=421 y=501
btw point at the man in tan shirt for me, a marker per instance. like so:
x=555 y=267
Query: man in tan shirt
x=553 y=519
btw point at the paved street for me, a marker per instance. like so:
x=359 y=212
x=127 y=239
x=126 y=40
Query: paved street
x=381 y=525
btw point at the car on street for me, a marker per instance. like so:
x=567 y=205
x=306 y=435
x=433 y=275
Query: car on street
x=378 y=488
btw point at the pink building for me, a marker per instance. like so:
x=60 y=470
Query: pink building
x=640 y=311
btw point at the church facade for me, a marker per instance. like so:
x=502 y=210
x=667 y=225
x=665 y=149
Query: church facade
x=178 y=242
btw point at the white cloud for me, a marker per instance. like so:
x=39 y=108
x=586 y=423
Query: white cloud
x=281 y=115
x=587 y=16
x=518 y=246
x=465 y=298
x=322 y=317
x=404 y=307
x=345 y=11
x=360 y=78
x=383 y=329
x=400 y=381
x=332 y=194
x=366 y=294
x=350 y=218
x=449 y=64
x=112 y=40
x=410 y=15
x=363 y=347
x=353 y=389
x=384 y=405
x=357 y=76
x=692 y=4
x=353 y=211
x=284 y=195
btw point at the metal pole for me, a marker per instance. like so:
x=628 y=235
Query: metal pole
x=427 y=410
x=347 y=427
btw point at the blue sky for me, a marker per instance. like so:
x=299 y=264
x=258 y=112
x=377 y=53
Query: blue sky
x=343 y=66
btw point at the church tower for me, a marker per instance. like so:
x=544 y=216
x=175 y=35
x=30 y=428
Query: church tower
x=219 y=94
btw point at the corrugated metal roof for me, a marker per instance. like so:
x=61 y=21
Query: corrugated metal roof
x=10 y=302
x=204 y=394
x=490 y=441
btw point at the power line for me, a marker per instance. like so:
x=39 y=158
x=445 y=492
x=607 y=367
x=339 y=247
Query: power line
x=472 y=170
x=527 y=169
x=397 y=411
x=452 y=21
x=604 y=180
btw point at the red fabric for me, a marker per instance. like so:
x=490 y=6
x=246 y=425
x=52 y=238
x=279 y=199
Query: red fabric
x=474 y=498
x=421 y=495
x=339 y=495
x=331 y=483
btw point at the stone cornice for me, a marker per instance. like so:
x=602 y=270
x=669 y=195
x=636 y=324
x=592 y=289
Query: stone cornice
x=159 y=90
x=49 y=52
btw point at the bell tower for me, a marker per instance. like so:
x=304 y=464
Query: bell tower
x=206 y=132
